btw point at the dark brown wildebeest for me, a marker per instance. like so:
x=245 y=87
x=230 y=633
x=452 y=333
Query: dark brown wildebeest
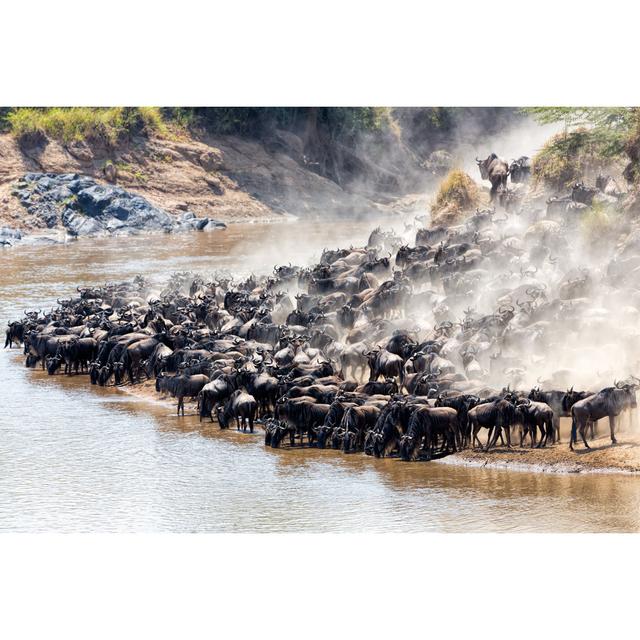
x=607 y=403
x=520 y=169
x=241 y=406
x=494 y=416
x=386 y=364
x=355 y=422
x=14 y=333
x=429 y=423
x=536 y=415
x=496 y=170
x=181 y=386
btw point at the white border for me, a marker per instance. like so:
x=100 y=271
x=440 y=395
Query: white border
x=123 y=52
x=318 y=586
x=333 y=52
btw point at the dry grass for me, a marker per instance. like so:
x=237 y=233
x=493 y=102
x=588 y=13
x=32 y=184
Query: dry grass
x=458 y=194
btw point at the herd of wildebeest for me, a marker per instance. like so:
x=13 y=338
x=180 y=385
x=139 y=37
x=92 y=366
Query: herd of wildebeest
x=393 y=348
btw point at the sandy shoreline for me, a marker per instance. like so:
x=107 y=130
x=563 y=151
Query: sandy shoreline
x=622 y=458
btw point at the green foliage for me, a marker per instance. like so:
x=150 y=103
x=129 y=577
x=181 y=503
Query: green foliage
x=609 y=127
x=566 y=157
x=183 y=117
x=340 y=122
x=592 y=135
x=85 y=123
x=4 y=124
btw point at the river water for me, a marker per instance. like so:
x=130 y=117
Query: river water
x=76 y=458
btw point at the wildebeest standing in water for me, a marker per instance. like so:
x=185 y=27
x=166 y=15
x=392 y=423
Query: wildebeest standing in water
x=496 y=170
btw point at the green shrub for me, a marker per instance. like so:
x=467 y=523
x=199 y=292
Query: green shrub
x=567 y=157
x=69 y=124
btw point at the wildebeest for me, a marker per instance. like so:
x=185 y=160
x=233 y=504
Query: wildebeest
x=293 y=413
x=495 y=170
x=494 y=416
x=386 y=364
x=607 y=403
x=536 y=415
x=332 y=420
x=14 y=333
x=520 y=169
x=214 y=392
x=355 y=423
x=241 y=406
x=428 y=424
x=182 y=386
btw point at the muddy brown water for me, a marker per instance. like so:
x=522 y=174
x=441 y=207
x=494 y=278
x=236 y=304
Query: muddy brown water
x=75 y=458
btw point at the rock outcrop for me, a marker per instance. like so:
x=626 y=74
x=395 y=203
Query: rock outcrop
x=85 y=207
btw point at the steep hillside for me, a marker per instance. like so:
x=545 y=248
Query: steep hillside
x=224 y=178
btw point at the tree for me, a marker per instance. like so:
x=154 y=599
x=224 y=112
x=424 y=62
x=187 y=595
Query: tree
x=607 y=131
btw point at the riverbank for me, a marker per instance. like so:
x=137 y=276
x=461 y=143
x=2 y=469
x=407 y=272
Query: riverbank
x=622 y=458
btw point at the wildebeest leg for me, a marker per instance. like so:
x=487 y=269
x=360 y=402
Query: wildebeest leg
x=545 y=429
x=476 y=428
x=489 y=436
x=491 y=441
x=531 y=431
x=427 y=444
x=180 y=403
x=453 y=442
x=556 y=429
x=251 y=424
x=583 y=428
x=544 y=435
x=612 y=426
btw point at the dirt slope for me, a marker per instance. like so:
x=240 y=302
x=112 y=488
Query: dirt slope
x=224 y=178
